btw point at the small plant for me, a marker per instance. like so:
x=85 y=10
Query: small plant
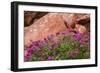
x=69 y=44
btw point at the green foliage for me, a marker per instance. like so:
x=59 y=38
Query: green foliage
x=62 y=48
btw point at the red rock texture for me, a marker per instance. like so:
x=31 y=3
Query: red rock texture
x=50 y=23
x=30 y=17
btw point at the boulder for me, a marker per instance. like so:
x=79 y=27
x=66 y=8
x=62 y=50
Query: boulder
x=30 y=17
x=46 y=25
x=50 y=23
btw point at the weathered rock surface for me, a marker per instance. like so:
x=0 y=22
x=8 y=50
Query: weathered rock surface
x=55 y=22
x=30 y=17
x=69 y=19
x=48 y=24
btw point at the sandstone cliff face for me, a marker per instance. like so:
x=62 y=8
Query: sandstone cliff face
x=50 y=23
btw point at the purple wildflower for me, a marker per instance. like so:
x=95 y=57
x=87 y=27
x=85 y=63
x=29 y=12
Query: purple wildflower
x=53 y=43
x=36 y=48
x=50 y=36
x=82 y=42
x=30 y=50
x=59 y=40
x=46 y=40
x=78 y=36
x=49 y=58
x=63 y=33
x=30 y=46
x=58 y=33
x=41 y=43
x=49 y=49
x=26 y=55
x=36 y=43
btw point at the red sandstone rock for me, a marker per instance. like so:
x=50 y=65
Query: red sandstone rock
x=55 y=22
x=48 y=24
x=30 y=17
x=69 y=19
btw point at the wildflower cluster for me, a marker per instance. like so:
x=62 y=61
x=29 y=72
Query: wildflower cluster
x=69 y=44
